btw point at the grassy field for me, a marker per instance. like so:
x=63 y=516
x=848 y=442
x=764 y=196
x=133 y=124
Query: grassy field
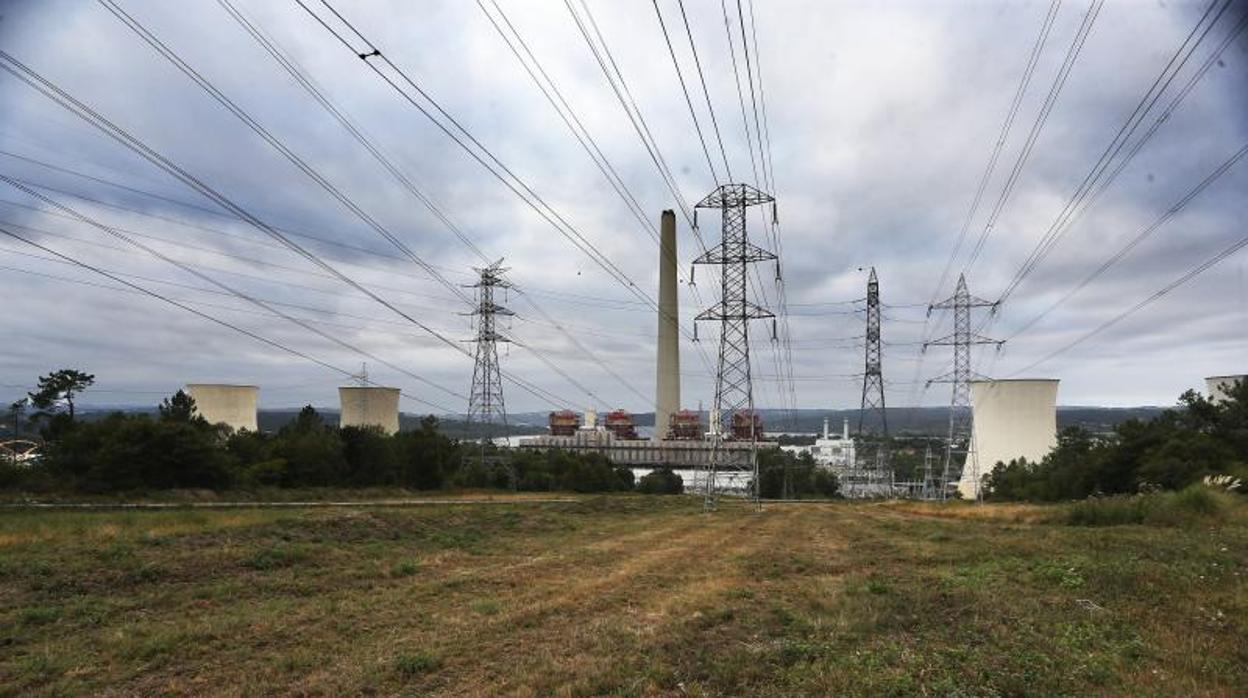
x=621 y=595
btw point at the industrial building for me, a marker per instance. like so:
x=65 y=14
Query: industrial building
x=617 y=440
x=232 y=405
x=835 y=452
x=369 y=406
x=1011 y=419
x=1217 y=387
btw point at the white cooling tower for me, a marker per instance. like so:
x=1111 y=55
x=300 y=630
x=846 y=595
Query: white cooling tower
x=370 y=406
x=1011 y=419
x=1216 y=387
x=233 y=405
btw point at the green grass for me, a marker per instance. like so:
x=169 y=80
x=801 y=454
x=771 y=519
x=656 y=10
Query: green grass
x=630 y=596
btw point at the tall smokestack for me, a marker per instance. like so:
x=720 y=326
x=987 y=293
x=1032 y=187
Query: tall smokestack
x=667 y=373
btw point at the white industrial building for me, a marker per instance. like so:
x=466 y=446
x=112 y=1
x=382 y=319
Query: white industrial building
x=369 y=406
x=835 y=452
x=232 y=405
x=1012 y=419
x=1217 y=387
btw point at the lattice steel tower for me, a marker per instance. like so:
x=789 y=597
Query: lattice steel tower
x=873 y=373
x=734 y=394
x=961 y=376
x=485 y=402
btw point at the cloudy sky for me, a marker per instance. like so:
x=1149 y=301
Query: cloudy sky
x=882 y=118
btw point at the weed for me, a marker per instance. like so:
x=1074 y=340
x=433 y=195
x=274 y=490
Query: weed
x=406 y=568
x=487 y=607
x=410 y=665
x=276 y=557
x=39 y=615
x=876 y=586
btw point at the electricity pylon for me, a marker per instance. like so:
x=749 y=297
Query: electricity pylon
x=734 y=392
x=485 y=401
x=961 y=303
x=873 y=373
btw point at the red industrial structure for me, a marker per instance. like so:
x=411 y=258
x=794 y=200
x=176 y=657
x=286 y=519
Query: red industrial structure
x=620 y=423
x=685 y=425
x=741 y=425
x=564 y=423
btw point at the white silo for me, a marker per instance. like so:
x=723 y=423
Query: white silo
x=233 y=405
x=1011 y=419
x=1217 y=387
x=369 y=406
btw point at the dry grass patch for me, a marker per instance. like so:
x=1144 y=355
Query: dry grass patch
x=622 y=596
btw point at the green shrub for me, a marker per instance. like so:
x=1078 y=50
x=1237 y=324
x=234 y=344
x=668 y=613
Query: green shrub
x=122 y=452
x=661 y=481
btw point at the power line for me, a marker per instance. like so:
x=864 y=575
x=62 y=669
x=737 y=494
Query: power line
x=614 y=303
x=294 y=71
x=199 y=313
x=629 y=104
x=266 y=279
x=570 y=118
x=207 y=86
x=1083 y=195
x=186 y=204
x=1033 y=59
x=777 y=239
x=1142 y=235
x=705 y=92
x=393 y=75
x=693 y=114
x=299 y=75
x=76 y=107
x=199 y=289
x=1157 y=295
x=221 y=285
x=732 y=53
x=1042 y=117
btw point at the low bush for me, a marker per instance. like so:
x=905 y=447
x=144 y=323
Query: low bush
x=1194 y=504
x=661 y=481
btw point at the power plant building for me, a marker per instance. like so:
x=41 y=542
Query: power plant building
x=835 y=452
x=232 y=405
x=1012 y=419
x=1217 y=388
x=569 y=433
x=369 y=406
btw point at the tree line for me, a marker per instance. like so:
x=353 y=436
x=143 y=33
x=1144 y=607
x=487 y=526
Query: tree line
x=177 y=448
x=1181 y=446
